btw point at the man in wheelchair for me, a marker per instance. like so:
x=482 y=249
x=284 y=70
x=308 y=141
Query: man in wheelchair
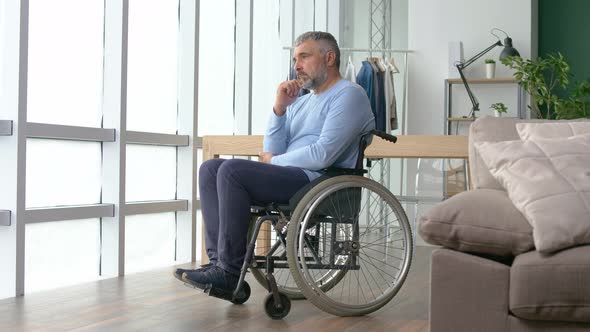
x=305 y=134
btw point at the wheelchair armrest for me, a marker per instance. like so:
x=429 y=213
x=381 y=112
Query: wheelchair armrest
x=384 y=135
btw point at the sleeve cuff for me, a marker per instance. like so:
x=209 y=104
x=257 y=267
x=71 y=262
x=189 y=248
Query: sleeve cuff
x=276 y=160
x=276 y=120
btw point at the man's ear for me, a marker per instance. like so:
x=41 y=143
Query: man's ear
x=331 y=58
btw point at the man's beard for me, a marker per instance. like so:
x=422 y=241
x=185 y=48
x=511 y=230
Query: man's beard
x=313 y=83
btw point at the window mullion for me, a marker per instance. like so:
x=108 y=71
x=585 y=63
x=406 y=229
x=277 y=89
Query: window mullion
x=5 y=216
x=114 y=153
x=74 y=133
x=5 y=128
x=177 y=205
x=72 y=212
x=21 y=141
x=186 y=175
x=139 y=137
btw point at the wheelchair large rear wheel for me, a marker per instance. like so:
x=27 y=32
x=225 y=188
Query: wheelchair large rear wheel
x=276 y=247
x=355 y=226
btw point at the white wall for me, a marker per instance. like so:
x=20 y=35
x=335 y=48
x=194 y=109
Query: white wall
x=432 y=24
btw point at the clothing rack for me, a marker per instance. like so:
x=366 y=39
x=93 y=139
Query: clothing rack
x=365 y=50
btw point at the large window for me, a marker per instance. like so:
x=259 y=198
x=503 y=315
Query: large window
x=64 y=87
x=119 y=93
x=266 y=62
x=65 y=62
x=150 y=173
x=150 y=241
x=216 y=67
x=62 y=173
x=152 y=66
x=61 y=253
x=72 y=165
x=152 y=106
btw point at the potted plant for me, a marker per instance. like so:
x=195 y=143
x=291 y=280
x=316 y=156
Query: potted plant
x=499 y=108
x=541 y=79
x=490 y=68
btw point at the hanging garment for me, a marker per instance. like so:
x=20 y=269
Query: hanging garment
x=391 y=64
x=379 y=91
x=350 y=73
x=365 y=79
x=393 y=118
x=388 y=95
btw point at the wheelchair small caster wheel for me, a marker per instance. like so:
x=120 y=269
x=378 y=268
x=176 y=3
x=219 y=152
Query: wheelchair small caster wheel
x=243 y=294
x=272 y=311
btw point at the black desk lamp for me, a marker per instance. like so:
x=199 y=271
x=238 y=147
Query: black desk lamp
x=507 y=51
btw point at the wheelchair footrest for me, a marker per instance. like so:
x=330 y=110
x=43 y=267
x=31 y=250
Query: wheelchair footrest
x=209 y=290
x=224 y=294
x=220 y=293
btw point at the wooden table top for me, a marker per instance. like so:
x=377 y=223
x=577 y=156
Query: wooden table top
x=407 y=146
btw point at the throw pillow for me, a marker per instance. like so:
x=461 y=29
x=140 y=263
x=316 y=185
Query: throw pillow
x=548 y=180
x=555 y=129
x=481 y=221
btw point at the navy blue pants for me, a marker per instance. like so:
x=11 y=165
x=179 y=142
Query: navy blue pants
x=227 y=189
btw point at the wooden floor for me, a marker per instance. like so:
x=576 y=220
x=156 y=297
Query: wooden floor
x=155 y=301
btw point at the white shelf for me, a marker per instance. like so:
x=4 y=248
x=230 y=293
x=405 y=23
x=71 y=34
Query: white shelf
x=449 y=82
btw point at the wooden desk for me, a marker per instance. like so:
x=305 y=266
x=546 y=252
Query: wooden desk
x=407 y=146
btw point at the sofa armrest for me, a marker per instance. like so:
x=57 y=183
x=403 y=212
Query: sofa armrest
x=468 y=293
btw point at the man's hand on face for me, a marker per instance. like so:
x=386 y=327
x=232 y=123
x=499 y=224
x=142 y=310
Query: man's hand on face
x=286 y=94
x=264 y=157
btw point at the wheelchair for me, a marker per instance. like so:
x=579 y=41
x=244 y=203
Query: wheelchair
x=343 y=242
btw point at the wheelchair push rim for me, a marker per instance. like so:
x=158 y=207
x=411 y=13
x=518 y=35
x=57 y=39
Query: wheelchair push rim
x=378 y=253
x=283 y=277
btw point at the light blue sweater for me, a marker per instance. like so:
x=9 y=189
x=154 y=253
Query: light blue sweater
x=318 y=131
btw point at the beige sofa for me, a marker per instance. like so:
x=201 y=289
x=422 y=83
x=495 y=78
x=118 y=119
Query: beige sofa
x=488 y=275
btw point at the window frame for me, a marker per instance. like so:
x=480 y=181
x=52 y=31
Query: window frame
x=113 y=137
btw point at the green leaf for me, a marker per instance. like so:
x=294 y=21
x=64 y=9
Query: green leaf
x=541 y=78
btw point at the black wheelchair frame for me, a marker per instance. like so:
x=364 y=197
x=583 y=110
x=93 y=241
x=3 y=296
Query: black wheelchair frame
x=277 y=304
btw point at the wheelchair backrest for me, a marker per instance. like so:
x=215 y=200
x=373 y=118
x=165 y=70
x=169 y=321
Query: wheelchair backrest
x=352 y=193
x=366 y=139
x=343 y=205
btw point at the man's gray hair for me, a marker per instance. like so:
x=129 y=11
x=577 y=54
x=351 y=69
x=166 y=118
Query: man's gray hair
x=328 y=40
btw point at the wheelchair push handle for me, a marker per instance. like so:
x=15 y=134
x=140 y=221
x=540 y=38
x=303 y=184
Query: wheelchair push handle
x=384 y=135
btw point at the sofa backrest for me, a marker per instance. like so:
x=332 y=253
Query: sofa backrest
x=491 y=129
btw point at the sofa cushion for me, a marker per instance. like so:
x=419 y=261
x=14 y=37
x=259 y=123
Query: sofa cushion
x=548 y=180
x=492 y=129
x=532 y=131
x=482 y=221
x=487 y=129
x=552 y=287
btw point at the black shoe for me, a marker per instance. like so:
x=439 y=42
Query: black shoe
x=178 y=273
x=213 y=277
